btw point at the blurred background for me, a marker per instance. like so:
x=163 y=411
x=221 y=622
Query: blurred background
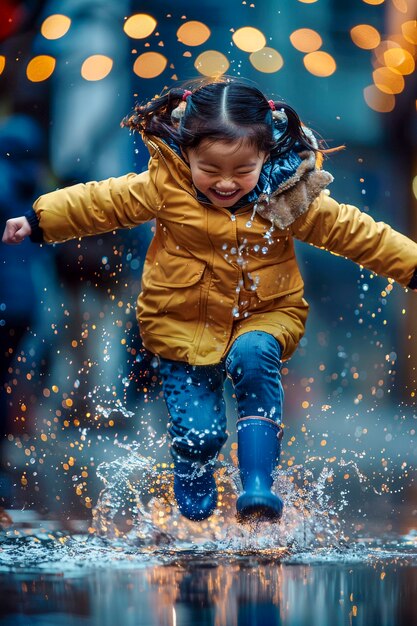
x=76 y=383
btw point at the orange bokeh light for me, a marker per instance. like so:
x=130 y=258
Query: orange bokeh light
x=193 y=33
x=40 y=68
x=267 y=60
x=55 y=26
x=365 y=36
x=306 y=40
x=150 y=64
x=409 y=31
x=96 y=67
x=378 y=101
x=320 y=63
x=388 y=80
x=400 y=59
x=139 y=26
x=249 y=39
x=211 y=63
x=401 y=5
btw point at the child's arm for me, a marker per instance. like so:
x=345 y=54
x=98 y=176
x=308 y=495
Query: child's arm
x=88 y=209
x=345 y=230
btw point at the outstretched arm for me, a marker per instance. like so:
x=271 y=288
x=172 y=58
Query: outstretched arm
x=347 y=231
x=88 y=209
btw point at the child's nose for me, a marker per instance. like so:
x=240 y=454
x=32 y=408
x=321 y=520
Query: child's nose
x=226 y=180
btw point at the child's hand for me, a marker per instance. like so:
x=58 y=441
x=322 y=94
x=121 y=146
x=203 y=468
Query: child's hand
x=16 y=230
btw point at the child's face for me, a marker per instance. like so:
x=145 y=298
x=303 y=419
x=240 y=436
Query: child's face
x=223 y=171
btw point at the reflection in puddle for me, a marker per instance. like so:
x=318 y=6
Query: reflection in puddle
x=195 y=587
x=140 y=562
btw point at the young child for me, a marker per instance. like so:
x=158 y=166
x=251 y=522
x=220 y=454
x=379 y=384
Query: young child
x=232 y=179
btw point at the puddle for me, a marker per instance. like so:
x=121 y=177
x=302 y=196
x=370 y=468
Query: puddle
x=136 y=523
x=137 y=561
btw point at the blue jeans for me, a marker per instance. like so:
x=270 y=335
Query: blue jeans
x=194 y=394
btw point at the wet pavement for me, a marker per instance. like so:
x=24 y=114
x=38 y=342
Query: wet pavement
x=54 y=577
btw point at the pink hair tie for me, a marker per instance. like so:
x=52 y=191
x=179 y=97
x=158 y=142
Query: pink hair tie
x=271 y=105
x=186 y=94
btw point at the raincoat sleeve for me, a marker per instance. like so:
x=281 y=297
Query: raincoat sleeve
x=345 y=230
x=97 y=207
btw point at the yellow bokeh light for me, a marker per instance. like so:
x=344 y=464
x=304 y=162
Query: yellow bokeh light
x=150 y=64
x=55 y=26
x=96 y=67
x=40 y=68
x=365 y=36
x=193 y=33
x=400 y=59
x=378 y=101
x=375 y=2
x=409 y=31
x=267 y=60
x=249 y=39
x=320 y=64
x=388 y=80
x=139 y=26
x=414 y=186
x=211 y=63
x=307 y=1
x=306 y=40
x=2 y=63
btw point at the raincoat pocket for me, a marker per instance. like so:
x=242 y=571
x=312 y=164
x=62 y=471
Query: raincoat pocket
x=174 y=288
x=274 y=281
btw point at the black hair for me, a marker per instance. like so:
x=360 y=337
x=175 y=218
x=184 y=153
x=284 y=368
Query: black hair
x=228 y=110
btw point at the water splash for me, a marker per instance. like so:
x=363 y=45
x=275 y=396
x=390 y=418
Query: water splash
x=137 y=504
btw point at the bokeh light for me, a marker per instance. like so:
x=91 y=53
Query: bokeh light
x=306 y=40
x=249 y=39
x=400 y=60
x=401 y=5
x=409 y=31
x=379 y=52
x=96 y=67
x=150 y=64
x=211 y=63
x=374 y=2
x=55 y=26
x=267 y=60
x=307 y=1
x=320 y=63
x=193 y=33
x=365 y=36
x=378 y=101
x=40 y=68
x=414 y=186
x=2 y=63
x=139 y=26
x=388 y=80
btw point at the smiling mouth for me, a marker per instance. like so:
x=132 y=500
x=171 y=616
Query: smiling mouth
x=225 y=194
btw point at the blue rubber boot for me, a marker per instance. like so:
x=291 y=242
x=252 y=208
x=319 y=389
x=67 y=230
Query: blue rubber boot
x=195 y=488
x=259 y=448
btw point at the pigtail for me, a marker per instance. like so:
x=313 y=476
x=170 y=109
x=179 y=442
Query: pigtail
x=160 y=116
x=289 y=129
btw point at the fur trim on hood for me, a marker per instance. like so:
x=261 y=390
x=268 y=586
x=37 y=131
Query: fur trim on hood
x=293 y=196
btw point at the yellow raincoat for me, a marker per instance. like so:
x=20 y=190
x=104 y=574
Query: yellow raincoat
x=211 y=275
